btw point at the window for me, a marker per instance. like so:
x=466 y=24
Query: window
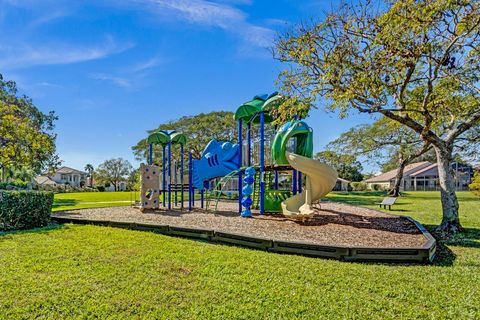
x=63 y=177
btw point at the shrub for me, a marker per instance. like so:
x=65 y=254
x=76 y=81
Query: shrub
x=376 y=187
x=475 y=185
x=24 y=209
x=101 y=188
x=359 y=186
x=13 y=185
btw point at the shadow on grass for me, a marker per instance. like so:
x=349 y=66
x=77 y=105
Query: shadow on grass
x=64 y=203
x=469 y=238
x=47 y=229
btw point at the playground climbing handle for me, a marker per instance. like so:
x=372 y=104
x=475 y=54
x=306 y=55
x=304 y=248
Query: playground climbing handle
x=320 y=180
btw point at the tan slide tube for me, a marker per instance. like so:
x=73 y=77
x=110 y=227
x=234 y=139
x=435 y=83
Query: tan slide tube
x=320 y=180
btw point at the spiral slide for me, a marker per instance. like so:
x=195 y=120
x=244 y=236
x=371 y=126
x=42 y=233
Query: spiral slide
x=320 y=180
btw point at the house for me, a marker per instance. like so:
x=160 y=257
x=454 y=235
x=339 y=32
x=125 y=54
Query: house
x=342 y=185
x=121 y=186
x=44 y=181
x=63 y=176
x=422 y=176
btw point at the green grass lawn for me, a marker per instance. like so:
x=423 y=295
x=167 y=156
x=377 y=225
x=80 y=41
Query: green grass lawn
x=83 y=200
x=422 y=206
x=77 y=271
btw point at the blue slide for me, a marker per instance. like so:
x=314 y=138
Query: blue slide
x=218 y=159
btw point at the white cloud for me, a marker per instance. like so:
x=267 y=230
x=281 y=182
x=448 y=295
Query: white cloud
x=48 y=17
x=118 y=81
x=24 y=55
x=196 y=11
x=212 y=14
x=47 y=84
x=145 y=65
x=127 y=77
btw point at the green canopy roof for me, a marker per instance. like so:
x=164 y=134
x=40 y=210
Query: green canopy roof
x=178 y=138
x=249 y=109
x=273 y=102
x=160 y=138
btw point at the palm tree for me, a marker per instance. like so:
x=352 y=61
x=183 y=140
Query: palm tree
x=89 y=168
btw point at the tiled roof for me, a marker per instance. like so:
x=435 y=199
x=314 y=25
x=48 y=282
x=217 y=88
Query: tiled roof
x=44 y=180
x=408 y=171
x=69 y=170
x=434 y=165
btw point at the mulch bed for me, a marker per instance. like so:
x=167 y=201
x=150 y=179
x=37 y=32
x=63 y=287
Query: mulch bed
x=334 y=224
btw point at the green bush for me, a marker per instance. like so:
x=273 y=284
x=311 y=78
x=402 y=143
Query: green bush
x=17 y=184
x=475 y=185
x=101 y=188
x=25 y=209
x=359 y=186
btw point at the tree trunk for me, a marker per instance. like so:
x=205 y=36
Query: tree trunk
x=395 y=192
x=450 y=221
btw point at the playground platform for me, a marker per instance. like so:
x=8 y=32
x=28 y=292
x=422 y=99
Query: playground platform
x=337 y=230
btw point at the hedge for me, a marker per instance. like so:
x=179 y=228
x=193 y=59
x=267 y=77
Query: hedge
x=13 y=185
x=25 y=209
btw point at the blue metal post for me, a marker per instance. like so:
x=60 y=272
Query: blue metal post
x=164 y=179
x=169 y=175
x=294 y=181
x=262 y=161
x=193 y=196
x=276 y=172
x=299 y=182
x=276 y=180
x=240 y=183
x=181 y=173
x=190 y=181
x=249 y=144
x=150 y=154
x=294 y=173
x=175 y=182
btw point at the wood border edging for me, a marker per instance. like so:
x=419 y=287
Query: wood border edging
x=423 y=254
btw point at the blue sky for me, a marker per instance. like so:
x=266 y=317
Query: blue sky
x=114 y=69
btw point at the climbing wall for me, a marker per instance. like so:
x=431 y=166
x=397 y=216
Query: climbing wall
x=149 y=186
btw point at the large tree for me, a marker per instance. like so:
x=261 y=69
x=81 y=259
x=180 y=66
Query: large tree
x=383 y=142
x=114 y=171
x=27 y=141
x=416 y=62
x=199 y=130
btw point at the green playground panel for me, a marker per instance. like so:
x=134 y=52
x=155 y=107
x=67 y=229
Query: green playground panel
x=274 y=198
x=293 y=129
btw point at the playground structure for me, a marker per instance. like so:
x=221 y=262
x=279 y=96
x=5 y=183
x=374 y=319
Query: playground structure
x=269 y=182
x=150 y=187
x=285 y=180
